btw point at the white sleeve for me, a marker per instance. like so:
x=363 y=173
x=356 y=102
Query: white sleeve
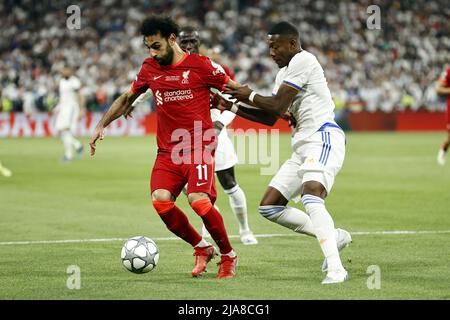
x=76 y=84
x=142 y=97
x=277 y=85
x=226 y=117
x=299 y=70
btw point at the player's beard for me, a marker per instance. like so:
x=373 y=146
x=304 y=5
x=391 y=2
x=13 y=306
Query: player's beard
x=167 y=59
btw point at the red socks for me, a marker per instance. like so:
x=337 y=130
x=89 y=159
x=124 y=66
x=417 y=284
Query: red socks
x=213 y=222
x=177 y=222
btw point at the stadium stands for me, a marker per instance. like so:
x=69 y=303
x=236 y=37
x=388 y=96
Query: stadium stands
x=394 y=68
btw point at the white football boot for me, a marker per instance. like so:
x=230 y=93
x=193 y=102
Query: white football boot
x=248 y=238
x=441 y=157
x=335 y=276
x=343 y=240
x=5 y=171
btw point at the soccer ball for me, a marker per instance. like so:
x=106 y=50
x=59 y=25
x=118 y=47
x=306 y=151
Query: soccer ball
x=140 y=254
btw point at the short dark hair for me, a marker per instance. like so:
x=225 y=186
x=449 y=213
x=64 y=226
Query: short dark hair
x=189 y=29
x=163 y=25
x=284 y=28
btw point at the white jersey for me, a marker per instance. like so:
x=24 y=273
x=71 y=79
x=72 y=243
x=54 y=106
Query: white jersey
x=312 y=106
x=225 y=156
x=68 y=91
x=68 y=108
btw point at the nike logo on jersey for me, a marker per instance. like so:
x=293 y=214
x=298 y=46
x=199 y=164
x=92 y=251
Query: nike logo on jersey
x=200 y=184
x=156 y=78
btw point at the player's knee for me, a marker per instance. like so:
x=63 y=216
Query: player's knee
x=164 y=206
x=194 y=196
x=162 y=195
x=271 y=212
x=226 y=179
x=273 y=197
x=201 y=206
x=314 y=188
x=228 y=182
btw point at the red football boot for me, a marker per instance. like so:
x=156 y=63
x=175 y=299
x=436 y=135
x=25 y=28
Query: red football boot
x=227 y=267
x=202 y=257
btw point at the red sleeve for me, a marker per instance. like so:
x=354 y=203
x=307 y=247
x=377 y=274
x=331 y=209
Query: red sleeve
x=229 y=72
x=140 y=84
x=447 y=77
x=213 y=74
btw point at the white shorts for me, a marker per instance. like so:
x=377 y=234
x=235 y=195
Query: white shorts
x=317 y=158
x=67 y=117
x=225 y=156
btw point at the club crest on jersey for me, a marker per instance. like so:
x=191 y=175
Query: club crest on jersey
x=185 y=77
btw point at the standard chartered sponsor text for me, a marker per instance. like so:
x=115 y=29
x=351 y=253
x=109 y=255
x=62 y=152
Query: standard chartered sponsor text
x=178 y=95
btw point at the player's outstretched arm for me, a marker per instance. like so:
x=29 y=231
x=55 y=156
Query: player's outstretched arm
x=82 y=104
x=123 y=105
x=247 y=112
x=442 y=90
x=277 y=104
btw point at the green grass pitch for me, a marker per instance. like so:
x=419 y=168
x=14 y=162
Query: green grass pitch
x=389 y=182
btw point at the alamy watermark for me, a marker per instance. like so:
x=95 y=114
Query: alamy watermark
x=73 y=21
x=74 y=279
x=374 y=280
x=373 y=22
x=198 y=147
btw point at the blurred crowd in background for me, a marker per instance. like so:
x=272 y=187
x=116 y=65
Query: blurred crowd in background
x=393 y=68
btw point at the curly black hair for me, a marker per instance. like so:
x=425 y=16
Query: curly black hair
x=156 y=24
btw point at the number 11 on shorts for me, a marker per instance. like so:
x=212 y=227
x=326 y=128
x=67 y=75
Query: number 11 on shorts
x=202 y=172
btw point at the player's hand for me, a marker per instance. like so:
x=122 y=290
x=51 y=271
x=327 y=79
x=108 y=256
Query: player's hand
x=289 y=117
x=127 y=114
x=220 y=103
x=241 y=94
x=98 y=134
x=218 y=126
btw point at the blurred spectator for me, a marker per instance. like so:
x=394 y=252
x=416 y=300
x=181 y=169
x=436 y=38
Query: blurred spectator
x=388 y=69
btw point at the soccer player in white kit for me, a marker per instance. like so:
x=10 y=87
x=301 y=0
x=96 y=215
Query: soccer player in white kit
x=318 y=145
x=70 y=105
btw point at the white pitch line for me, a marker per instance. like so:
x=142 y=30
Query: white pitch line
x=356 y=233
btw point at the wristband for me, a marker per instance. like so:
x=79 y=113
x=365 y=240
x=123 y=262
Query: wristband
x=234 y=108
x=252 y=96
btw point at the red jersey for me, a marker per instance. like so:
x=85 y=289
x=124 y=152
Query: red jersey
x=229 y=72
x=181 y=95
x=445 y=81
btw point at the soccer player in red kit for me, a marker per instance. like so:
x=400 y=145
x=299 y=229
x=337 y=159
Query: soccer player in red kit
x=226 y=157
x=180 y=83
x=444 y=89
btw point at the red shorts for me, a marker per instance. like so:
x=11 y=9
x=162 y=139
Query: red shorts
x=173 y=177
x=448 y=115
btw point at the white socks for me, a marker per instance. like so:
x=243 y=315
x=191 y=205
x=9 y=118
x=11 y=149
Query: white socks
x=230 y=254
x=289 y=217
x=66 y=138
x=69 y=143
x=324 y=229
x=238 y=205
x=203 y=243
